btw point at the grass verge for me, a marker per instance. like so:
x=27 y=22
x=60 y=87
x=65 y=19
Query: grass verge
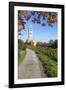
x=50 y=66
x=22 y=54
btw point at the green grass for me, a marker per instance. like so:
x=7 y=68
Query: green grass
x=49 y=65
x=48 y=57
x=21 y=56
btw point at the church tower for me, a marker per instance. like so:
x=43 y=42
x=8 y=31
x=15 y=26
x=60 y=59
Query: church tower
x=30 y=33
x=30 y=36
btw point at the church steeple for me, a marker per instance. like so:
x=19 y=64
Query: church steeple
x=30 y=36
x=30 y=33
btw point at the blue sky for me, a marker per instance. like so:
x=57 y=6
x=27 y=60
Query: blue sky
x=40 y=33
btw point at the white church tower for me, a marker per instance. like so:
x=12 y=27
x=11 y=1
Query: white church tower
x=30 y=33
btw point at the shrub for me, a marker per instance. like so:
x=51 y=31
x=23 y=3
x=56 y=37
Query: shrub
x=50 y=66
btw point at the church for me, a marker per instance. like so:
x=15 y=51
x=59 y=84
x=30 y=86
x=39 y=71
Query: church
x=30 y=36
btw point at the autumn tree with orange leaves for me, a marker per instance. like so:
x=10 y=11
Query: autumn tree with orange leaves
x=49 y=18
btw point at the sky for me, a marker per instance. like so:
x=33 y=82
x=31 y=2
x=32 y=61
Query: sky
x=40 y=33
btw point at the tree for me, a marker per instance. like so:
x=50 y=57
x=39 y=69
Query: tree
x=40 y=44
x=21 y=44
x=26 y=42
x=49 y=18
x=55 y=44
x=52 y=43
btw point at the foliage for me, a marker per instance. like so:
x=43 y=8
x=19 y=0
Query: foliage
x=49 y=65
x=51 y=43
x=49 y=18
x=48 y=57
x=46 y=54
x=21 y=50
x=21 y=44
x=21 y=56
x=40 y=44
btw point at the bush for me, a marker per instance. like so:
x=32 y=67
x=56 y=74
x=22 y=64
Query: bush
x=49 y=65
x=21 y=56
x=48 y=57
x=21 y=51
x=21 y=45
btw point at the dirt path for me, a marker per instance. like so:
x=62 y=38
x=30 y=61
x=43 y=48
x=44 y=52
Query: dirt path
x=31 y=67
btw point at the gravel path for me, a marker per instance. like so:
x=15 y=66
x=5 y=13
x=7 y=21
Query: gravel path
x=31 y=67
